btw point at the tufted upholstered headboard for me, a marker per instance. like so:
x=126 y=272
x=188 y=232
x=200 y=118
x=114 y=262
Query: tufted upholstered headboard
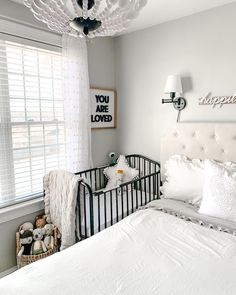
x=200 y=140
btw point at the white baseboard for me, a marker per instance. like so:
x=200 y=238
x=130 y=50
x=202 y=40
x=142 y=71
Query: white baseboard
x=8 y=271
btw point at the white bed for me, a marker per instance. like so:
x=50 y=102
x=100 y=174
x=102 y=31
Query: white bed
x=150 y=251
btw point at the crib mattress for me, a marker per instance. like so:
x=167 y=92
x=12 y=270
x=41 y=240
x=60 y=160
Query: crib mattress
x=113 y=206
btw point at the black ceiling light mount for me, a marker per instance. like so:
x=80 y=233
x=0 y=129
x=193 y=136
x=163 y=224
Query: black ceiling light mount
x=85 y=24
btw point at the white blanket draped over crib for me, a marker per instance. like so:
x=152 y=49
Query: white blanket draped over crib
x=61 y=189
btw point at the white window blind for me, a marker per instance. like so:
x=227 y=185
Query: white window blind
x=32 y=139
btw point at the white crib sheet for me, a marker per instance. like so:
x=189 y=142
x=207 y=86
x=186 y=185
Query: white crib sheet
x=114 y=209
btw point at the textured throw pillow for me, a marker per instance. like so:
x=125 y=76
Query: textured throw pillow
x=184 y=179
x=219 y=194
x=119 y=173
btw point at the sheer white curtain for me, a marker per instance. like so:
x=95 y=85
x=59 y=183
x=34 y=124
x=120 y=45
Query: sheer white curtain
x=76 y=103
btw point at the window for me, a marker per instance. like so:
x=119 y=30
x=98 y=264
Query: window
x=32 y=135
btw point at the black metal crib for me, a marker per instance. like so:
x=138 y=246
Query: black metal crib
x=99 y=208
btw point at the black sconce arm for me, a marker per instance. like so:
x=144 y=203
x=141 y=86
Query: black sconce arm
x=179 y=103
x=167 y=100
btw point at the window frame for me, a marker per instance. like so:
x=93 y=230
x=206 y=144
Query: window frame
x=43 y=39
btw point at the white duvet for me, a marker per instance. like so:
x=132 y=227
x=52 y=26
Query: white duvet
x=149 y=252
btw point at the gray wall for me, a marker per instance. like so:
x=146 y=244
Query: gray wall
x=101 y=71
x=201 y=48
x=102 y=75
x=8 y=241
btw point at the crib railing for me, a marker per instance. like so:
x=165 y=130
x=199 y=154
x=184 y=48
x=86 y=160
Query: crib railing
x=99 y=208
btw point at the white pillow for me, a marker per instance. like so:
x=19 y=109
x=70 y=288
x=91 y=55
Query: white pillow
x=119 y=173
x=219 y=194
x=184 y=179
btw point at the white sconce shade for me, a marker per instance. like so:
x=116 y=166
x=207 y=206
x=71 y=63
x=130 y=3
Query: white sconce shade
x=173 y=84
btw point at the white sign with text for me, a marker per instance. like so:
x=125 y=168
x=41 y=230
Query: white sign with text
x=217 y=100
x=103 y=108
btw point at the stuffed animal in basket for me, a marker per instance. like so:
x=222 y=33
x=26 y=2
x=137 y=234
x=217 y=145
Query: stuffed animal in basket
x=38 y=246
x=26 y=238
x=49 y=239
x=26 y=226
x=40 y=221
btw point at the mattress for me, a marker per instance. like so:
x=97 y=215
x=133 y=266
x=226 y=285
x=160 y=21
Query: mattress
x=188 y=210
x=147 y=253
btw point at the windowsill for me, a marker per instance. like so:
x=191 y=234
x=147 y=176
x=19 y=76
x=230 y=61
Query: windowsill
x=21 y=209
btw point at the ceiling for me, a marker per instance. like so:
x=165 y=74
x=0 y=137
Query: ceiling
x=160 y=11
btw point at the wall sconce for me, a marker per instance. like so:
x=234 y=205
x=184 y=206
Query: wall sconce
x=174 y=85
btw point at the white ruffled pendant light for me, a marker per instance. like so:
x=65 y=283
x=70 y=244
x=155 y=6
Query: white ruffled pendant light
x=91 y=18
